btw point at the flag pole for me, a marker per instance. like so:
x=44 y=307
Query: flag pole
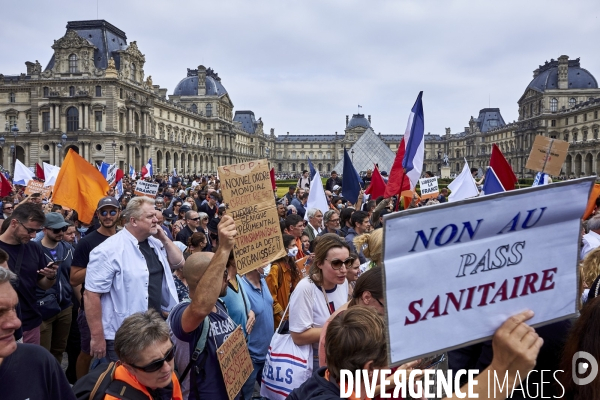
x=400 y=192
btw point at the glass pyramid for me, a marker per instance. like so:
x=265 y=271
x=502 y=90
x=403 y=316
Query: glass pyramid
x=369 y=150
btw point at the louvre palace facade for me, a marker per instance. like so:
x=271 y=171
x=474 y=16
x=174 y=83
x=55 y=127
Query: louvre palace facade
x=94 y=97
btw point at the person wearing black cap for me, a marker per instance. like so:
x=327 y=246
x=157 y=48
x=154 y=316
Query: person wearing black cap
x=168 y=216
x=55 y=304
x=210 y=207
x=109 y=214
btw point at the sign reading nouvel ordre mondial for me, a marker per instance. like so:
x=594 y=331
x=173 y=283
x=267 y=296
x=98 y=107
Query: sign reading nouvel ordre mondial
x=248 y=194
x=455 y=272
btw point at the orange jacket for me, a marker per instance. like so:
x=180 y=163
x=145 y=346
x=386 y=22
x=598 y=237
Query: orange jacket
x=280 y=272
x=122 y=374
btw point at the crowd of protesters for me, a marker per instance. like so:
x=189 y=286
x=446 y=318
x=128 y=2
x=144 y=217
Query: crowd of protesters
x=149 y=279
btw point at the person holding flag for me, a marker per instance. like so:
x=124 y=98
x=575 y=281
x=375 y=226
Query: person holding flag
x=147 y=170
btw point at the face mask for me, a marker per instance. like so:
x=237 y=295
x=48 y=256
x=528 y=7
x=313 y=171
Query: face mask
x=266 y=270
x=293 y=252
x=83 y=229
x=340 y=206
x=167 y=223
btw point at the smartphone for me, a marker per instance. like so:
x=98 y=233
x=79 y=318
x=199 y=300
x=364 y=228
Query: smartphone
x=430 y=362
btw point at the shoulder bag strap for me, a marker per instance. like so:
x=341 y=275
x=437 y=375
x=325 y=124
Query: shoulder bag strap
x=243 y=298
x=326 y=299
x=200 y=345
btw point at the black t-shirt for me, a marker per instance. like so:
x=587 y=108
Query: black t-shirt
x=210 y=211
x=155 y=275
x=81 y=257
x=33 y=260
x=31 y=372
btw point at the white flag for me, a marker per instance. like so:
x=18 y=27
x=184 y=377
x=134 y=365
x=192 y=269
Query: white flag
x=22 y=174
x=463 y=186
x=316 y=196
x=50 y=174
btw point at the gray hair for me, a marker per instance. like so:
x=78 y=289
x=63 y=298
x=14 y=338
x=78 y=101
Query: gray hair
x=159 y=199
x=292 y=207
x=202 y=215
x=311 y=212
x=138 y=332
x=134 y=207
x=6 y=275
x=594 y=223
x=327 y=216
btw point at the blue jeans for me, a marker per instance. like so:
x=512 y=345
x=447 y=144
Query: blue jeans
x=111 y=355
x=256 y=376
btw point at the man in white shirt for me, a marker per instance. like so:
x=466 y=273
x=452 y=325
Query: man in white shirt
x=129 y=272
x=315 y=221
x=591 y=240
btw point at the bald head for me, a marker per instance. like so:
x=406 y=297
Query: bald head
x=195 y=267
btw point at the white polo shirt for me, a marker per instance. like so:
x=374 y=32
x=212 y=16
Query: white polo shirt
x=118 y=270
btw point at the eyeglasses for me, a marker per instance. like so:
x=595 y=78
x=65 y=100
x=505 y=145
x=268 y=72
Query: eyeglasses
x=334 y=220
x=29 y=230
x=156 y=365
x=195 y=219
x=204 y=219
x=112 y=213
x=380 y=303
x=7 y=208
x=337 y=264
x=59 y=230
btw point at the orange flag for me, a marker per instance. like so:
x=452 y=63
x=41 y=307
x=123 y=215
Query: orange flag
x=79 y=186
x=594 y=194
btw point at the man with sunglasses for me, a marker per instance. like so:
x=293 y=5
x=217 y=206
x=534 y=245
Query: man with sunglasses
x=55 y=328
x=192 y=220
x=27 y=260
x=108 y=213
x=7 y=209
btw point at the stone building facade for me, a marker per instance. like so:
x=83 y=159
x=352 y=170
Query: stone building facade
x=95 y=90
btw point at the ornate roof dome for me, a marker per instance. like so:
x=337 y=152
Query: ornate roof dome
x=358 y=120
x=188 y=86
x=546 y=77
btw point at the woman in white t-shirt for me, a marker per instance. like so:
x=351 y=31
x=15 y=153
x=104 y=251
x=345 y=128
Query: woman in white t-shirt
x=317 y=296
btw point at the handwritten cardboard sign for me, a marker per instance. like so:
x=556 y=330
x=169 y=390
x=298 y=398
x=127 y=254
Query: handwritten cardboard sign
x=547 y=155
x=143 y=188
x=111 y=174
x=480 y=268
x=247 y=192
x=429 y=188
x=235 y=362
x=34 y=186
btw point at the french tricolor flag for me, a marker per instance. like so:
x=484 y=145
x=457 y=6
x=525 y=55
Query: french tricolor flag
x=414 y=138
x=499 y=177
x=148 y=171
x=131 y=172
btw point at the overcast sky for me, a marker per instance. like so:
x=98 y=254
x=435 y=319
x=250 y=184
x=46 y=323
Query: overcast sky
x=304 y=65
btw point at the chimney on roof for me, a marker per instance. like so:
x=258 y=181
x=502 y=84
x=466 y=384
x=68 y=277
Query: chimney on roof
x=369 y=119
x=346 y=120
x=201 y=80
x=288 y=133
x=536 y=72
x=272 y=131
x=563 y=72
x=448 y=131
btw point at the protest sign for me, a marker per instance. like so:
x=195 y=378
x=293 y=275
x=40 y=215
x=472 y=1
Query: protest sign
x=429 y=188
x=235 y=362
x=111 y=174
x=247 y=192
x=34 y=186
x=547 y=155
x=143 y=188
x=455 y=272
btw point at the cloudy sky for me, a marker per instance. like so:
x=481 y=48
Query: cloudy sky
x=304 y=65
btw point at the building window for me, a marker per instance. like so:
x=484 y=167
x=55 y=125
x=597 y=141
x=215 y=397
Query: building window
x=595 y=114
x=98 y=91
x=207 y=142
x=585 y=117
x=566 y=137
x=279 y=167
x=12 y=98
x=71 y=91
x=46 y=121
x=133 y=72
x=207 y=126
x=46 y=91
x=121 y=122
x=572 y=102
x=553 y=122
x=98 y=119
x=136 y=118
x=567 y=121
x=73 y=63
x=293 y=167
x=72 y=119
x=120 y=93
x=575 y=119
x=553 y=104
x=209 y=110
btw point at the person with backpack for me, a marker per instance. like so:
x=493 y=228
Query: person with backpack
x=145 y=370
x=196 y=351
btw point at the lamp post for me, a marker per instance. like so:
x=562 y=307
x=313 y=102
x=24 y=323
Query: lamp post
x=61 y=144
x=15 y=131
x=114 y=146
x=352 y=152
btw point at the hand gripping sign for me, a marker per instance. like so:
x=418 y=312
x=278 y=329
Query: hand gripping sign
x=456 y=271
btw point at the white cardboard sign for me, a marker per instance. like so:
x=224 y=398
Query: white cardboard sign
x=429 y=188
x=455 y=272
x=143 y=188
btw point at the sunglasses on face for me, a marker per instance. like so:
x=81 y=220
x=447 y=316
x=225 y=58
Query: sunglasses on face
x=337 y=264
x=29 y=230
x=380 y=303
x=59 y=230
x=195 y=219
x=156 y=365
x=104 y=213
x=7 y=208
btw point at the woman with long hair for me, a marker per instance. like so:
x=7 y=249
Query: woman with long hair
x=589 y=271
x=283 y=278
x=318 y=295
x=372 y=245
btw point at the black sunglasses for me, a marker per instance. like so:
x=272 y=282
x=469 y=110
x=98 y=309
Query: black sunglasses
x=195 y=219
x=59 y=230
x=337 y=264
x=157 y=364
x=7 y=208
x=29 y=230
x=104 y=213
x=380 y=303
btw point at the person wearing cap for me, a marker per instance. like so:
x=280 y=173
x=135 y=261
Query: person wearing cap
x=56 y=303
x=334 y=180
x=336 y=190
x=109 y=214
x=210 y=207
x=129 y=272
x=166 y=220
x=384 y=175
